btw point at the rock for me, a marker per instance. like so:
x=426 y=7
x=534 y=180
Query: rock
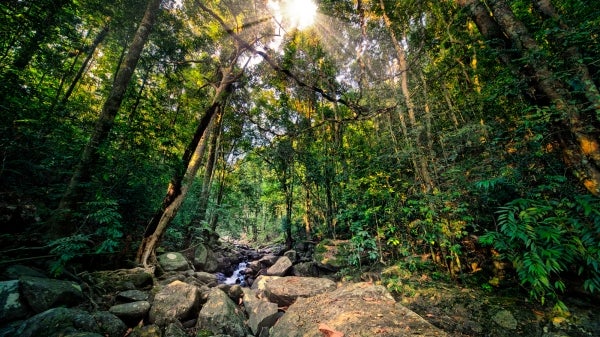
x=262 y=315
x=11 y=304
x=254 y=266
x=358 y=309
x=57 y=322
x=204 y=259
x=131 y=313
x=122 y=279
x=285 y=290
x=177 y=301
x=42 y=293
x=308 y=269
x=235 y=292
x=206 y=278
x=330 y=254
x=280 y=267
x=268 y=260
x=220 y=315
x=292 y=255
x=18 y=270
x=84 y=334
x=505 y=319
x=172 y=261
x=132 y=296
x=174 y=330
x=260 y=284
x=109 y=324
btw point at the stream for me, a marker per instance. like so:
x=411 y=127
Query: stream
x=238 y=276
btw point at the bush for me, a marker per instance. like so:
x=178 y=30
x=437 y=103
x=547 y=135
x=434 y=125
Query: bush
x=546 y=239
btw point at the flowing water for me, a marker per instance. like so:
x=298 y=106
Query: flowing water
x=237 y=277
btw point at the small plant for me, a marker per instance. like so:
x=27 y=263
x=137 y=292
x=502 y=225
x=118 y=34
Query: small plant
x=546 y=238
x=66 y=249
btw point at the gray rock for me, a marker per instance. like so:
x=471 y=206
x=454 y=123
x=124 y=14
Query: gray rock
x=122 y=279
x=11 y=304
x=177 y=301
x=204 y=259
x=174 y=330
x=173 y=261
x=292 y=255
x=505 y=319
x=84 y=334
x=109 y=324
x=355 y=309
x=284 y=291
x=132 y=296
x=267 y=261
x=235 y=292
x=308 y=269
x=280 y=267
x=131 y=312
x=221 y=316
x=42 y=293
x=262 y=314
x=206 y=278
x=16 y=271
x=57 y=322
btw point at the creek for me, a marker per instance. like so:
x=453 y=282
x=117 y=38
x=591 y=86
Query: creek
x=238 y=275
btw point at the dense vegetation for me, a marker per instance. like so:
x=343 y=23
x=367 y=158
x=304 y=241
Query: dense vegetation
x=462 y=129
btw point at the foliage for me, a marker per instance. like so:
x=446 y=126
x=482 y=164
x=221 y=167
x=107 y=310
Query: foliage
x=548 y=239
x=66 y=249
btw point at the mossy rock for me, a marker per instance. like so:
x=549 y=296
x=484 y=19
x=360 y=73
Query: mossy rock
x=332 y=254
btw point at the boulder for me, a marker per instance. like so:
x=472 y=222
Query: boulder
x=260 y=284
x=132 y=296
x=206 y=278
x=356 y=309
x=177 y=301
x=57 y=322
x=308 y=269
x=204 y=259
x=172 y=261
x=109 y=324
x=15 y=271
x=174 y=330
x=132 y=312
x=43 y=293
x=285 y=290
x=122 y=279
x=11 y=303
x=268 y=260
x=262 y=314
x=280 y=267
x=220 y=315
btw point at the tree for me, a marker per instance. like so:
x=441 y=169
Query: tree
x=62 y=226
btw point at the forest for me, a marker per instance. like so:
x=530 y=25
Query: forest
x=464 y=131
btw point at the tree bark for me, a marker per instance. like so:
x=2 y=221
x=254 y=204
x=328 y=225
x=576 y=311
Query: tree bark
x=184 y=177
x=90 y=155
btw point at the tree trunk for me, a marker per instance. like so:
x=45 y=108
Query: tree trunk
x=200 y=214
x=90 y=155
x=183 y=178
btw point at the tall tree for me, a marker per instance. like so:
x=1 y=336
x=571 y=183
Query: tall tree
x=89 y=157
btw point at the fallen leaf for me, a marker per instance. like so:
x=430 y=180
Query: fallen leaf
x=329 y=332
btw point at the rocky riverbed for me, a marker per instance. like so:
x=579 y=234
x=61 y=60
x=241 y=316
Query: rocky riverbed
x=286 y=295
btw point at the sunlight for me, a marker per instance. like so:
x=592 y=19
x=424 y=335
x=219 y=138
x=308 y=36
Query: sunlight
x=301 y=14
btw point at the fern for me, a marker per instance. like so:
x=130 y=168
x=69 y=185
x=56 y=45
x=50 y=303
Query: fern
x=545 y=238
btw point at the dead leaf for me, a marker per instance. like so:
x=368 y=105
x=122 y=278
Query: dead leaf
x=329 y=332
